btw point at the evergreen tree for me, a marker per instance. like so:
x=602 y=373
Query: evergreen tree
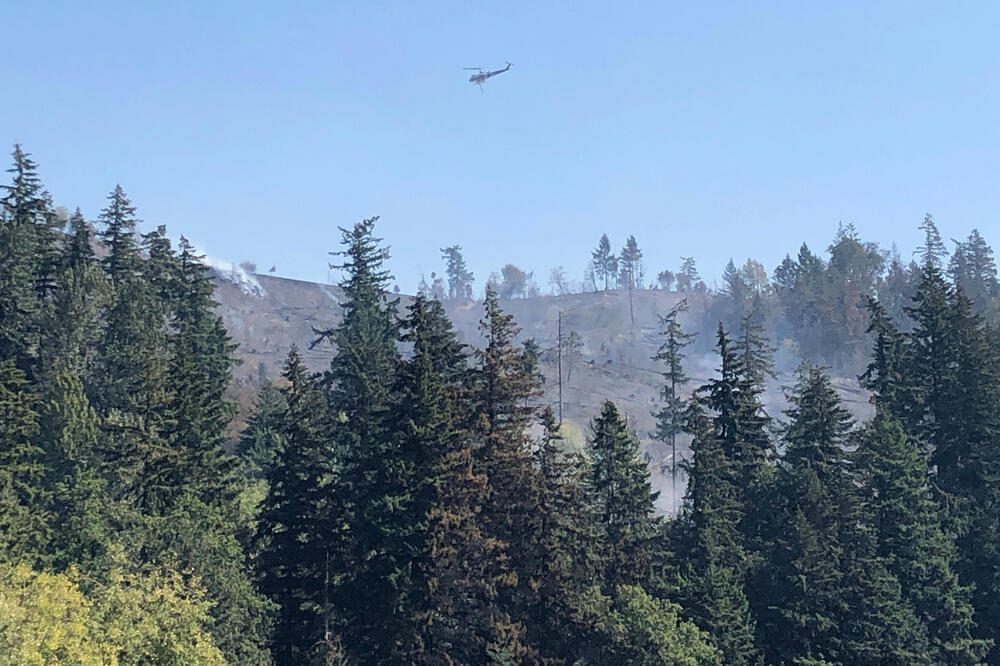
x=73 y=323
x=604 y=262
x=687 y=276
x=670 y=417
x=949 y=381
x=948 y=365
x=22 y=215
x=129 y=389
x=466 y=621
x=630 y=265
x=879 y=626
x=713 y=560
x=885 y=375
x=734 y=287
x=199 y=371
x=70 y=430
x=161 y=269
x=458 y=572
x=50 y=231
x=960 y=423
x=569 y=545
x=503 y=396
x=118 y=236
x=784 y=275
x=623 y=499
x=373 y=488
x=262 y=441
x=80 y=244
x=294 y=560
x=25 y=519
x=832 y=597
x=532 y=360
x=741 y=429
x=740 y=423
x=133 y=355
x=810 y=313
x=503 y=386
x=898 y=287
x=753 y=365
x=932 y=252
x=460 y=278
x=973 y=269
x=755 y=352
x=910 y=537
x=430 y=427
x=194 y=514
x=807 y=555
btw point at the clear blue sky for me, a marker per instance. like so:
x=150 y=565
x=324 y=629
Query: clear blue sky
x=705 y=129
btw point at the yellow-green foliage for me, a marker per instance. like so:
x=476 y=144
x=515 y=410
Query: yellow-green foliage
x=573 y=436
x=658 y=635
x=44 y=619
x=155 y=617
x=641 y=630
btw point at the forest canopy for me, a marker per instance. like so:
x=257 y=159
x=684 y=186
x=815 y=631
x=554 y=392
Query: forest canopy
x=415 y=502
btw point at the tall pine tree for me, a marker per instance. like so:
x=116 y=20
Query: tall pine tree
x=25 y=504
x=372 y=492
x=908 y=531
x=623 y=499
x=503 y=393
x=453 y=610
x=293 y=540
x=713 y=562
x=22 y=216
x=670 y=417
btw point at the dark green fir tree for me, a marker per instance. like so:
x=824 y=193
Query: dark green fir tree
x=118 y=220
x=670 y=417
x=25 y=503
x=262 y=441
x=293 y=536
x=22 y=215
x=623 y=499
x=713 y=562
x=909 y=535
x=373 y=490
x=570 y=545
x=503 y=397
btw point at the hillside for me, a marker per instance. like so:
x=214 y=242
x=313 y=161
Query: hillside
x=266 y=315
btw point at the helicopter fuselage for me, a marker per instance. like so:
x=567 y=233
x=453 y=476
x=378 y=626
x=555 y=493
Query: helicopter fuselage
x=480 y=77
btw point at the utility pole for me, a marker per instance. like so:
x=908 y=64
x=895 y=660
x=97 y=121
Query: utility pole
x=559 y=357
x=631 y=312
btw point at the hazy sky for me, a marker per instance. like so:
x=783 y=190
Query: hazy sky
x=706 y=129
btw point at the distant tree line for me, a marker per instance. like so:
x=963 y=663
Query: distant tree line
x=813 y=307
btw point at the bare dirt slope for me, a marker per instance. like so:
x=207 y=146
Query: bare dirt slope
x=614 y=362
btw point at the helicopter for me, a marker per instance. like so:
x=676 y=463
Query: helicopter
x=481 y=75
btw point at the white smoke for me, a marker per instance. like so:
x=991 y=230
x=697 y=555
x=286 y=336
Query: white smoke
x=230 y=272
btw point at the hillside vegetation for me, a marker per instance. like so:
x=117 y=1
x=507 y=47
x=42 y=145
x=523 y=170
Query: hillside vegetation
x=404 y=492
